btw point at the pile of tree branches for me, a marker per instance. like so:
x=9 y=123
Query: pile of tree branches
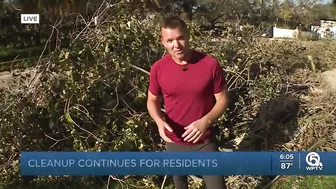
x=91 y=96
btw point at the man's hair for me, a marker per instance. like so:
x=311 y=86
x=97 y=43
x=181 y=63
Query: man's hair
x=173 y=22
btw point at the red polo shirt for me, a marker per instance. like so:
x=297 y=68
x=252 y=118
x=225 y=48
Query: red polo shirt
x=188 y=95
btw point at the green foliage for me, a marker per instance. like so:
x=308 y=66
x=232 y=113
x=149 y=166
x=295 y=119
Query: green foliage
x=92 y=97
x=89 y=100
x=11 y=53
x=313 y=182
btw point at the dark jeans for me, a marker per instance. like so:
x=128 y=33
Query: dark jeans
x=181 y=181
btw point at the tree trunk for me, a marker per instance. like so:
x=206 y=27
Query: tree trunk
x=38 y=35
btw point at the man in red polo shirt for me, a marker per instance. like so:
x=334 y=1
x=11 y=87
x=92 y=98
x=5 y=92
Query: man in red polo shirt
x=188 y=81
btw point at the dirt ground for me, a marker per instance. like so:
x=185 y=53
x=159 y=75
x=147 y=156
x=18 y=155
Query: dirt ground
x=16 y=76
x=330 y=77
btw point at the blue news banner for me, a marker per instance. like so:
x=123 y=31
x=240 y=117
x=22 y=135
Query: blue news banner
x=174 y=163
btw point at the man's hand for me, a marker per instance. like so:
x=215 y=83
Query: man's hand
x=153 y=106
x=162 y=126
x=195 y=130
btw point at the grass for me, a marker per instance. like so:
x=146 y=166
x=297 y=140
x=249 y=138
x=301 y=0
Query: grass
x=311 y=182
x=7 y=54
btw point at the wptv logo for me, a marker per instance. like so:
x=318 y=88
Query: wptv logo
x=314 y=162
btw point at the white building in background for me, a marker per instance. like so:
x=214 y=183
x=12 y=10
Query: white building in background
x=326 y=29
x=285 y=33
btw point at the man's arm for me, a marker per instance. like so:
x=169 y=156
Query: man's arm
x=218 y=109
x=154 y=110
x=153 y=106
x=196 y=129
x=221 y=95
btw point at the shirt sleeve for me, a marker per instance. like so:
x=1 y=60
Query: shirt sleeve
x=154 y=86
x=219 y=81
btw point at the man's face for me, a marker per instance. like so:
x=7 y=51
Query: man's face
x=176 y=41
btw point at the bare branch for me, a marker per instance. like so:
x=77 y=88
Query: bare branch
x=56 y=140
x=164 y=181
x=116 y=179
x=86 y=112
x=128 y=106
x=116 y=90
x=98 y=13
x=67 y=109
x=138 y=68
